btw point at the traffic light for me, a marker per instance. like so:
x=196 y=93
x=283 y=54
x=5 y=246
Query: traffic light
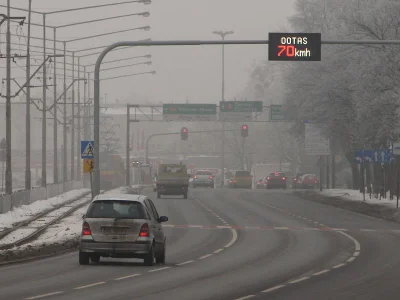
x=245 y=131
x=184 y=134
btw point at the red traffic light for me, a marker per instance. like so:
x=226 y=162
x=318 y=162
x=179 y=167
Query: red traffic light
x=184 y=134
x=244 y=127
x=184 y=130
x=245 y=131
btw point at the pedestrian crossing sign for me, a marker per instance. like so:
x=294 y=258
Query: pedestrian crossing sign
x=87 y=149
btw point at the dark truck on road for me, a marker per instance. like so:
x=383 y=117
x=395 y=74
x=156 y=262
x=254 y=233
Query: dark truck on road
x=172 y=179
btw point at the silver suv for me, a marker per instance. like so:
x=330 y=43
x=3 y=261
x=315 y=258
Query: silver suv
x=122 y=226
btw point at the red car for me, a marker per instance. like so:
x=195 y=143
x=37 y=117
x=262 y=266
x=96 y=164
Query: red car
x=309 y=181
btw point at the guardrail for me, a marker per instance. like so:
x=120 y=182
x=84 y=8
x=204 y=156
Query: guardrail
x=25 y=197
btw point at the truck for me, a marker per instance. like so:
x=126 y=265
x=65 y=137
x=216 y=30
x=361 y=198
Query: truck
x=172 y=179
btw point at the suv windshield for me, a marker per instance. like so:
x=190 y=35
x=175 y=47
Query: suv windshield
x=242 y=174
x=116 y=209
x=280 y=174
x=203 y=173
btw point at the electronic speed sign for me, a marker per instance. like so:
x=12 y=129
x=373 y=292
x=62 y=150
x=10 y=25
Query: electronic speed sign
x=294 y=47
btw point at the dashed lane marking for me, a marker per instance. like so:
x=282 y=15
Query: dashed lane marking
x=351 y=259
x=205 y=256
x=299 y=280
x=185 y=263
x=218 y=251
x=159 y=269
x=321 y=272
x=126 y=277
x=89 y=285
x=246 y=297
x=357 y=253
x=339 y=266
x=44 y=295
x=273 y=288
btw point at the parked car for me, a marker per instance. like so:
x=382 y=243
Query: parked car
x=309 y=181
x=122 y=226
x=276 y=180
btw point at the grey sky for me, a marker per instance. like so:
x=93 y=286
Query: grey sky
x=191 y=73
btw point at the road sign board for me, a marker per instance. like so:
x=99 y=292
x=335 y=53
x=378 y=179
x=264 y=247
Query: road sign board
x=87 y=149
x=236 y=111
x=382 y=156
x=3 y=144
x=277 y=113
x=87 y=165
x=189 y=112
x=315 y=142
x=294 y=47
x=241 y=106
x=396 y=148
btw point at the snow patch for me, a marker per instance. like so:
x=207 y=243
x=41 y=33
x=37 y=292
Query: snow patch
x=24 y=212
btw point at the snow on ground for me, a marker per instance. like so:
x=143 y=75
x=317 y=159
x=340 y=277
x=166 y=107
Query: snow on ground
x=355 y=195
x=25 y=212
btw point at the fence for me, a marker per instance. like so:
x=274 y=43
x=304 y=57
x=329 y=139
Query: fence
x=16 y=199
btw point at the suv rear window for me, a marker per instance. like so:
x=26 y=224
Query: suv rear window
x=203 y=173
x=116 y=209
x=242 y=174
x=280 y=174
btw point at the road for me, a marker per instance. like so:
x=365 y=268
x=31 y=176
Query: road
x=234 y=244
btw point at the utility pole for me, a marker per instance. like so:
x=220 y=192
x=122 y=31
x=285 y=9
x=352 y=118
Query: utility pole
x=8 y=105
x=28 y=181
x=73 y=120
x=65 y=173
x=55 y=125
x=223 y=34
x=78 y=138
x=44 y=124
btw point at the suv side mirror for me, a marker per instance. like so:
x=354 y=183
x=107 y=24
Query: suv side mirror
x=162 y=219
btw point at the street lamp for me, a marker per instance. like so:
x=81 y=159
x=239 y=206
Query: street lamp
x=223 y=34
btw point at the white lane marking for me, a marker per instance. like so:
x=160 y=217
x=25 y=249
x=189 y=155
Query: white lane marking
x=89 y=285
x=351 y=259
x=185 y=263
x=339 y=229
x=300 y=279
x=310 y=229
x=233 y=240
x=126 y=277
x=251 y=227
x=321 y=272
x=283 y=228
x=367 y=229
x=246 y=297
x=44 y=295
x=205 y=256
x=196 y=226
x=273 y=289
x=357 y=244
x=218 y=251
x=357 y=253
x=159 y=269
x=166 y=225
x=338 y=266
x=223 y=226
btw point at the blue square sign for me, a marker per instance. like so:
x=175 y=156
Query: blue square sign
x=87 y=149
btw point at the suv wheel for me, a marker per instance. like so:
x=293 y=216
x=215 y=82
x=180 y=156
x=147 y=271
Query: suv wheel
x=83 y=258
x=95 y=258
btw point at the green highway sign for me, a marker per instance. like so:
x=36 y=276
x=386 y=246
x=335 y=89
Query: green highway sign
x=277 y=113
x=241 y=106
x=189 y=112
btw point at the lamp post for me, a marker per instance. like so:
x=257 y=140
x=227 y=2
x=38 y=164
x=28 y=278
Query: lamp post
x=223 y=34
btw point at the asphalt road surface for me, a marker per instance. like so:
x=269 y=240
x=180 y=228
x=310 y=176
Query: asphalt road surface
x=234 y=244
